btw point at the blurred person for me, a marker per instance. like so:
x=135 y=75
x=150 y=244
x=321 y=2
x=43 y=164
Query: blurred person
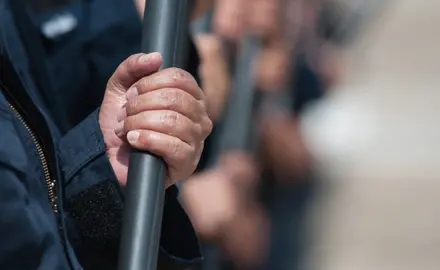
x=62 y=196
x=222 y=205
x=203 y=193
x=289 y=180
x=219 y=199
x=376 y=143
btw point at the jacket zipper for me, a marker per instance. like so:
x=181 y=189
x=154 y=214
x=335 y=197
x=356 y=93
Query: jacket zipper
x=51 y=184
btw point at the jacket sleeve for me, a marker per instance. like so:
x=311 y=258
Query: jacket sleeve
x=95 y=202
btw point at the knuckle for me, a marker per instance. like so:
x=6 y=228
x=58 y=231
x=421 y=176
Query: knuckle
x=133 y=60
x=133 y=106
x=170 y=119
x=180 y=76
x=129 y=64
x=199 y=134
x=144 y=84
x=128 y=124
x=177 y=74
x=177 y=152
x=144 y=139
x=207 y=127
x=171 y=97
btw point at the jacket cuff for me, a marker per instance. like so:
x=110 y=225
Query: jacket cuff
x=95 y=203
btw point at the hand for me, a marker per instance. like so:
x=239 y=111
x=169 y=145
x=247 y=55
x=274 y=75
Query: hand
x=276 y=22
x=246 y=238
x=162 y=112
x=283 y=148
x=221 y=209
x=215 y=198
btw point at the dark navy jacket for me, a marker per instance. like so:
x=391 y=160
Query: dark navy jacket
x=84 y=233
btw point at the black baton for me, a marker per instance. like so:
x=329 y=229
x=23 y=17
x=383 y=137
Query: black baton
x=165 y=30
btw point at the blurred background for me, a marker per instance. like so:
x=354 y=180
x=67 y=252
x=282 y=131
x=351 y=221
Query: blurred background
x=339 y=165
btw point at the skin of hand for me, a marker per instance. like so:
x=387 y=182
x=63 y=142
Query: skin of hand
x=213 y=198
x=221 y=206
x=162 y=112
x=246 y=239
x=271 y=21
x=284 y=151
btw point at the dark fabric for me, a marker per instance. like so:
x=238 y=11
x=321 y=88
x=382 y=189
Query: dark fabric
x=33 y=237
x=80 y=61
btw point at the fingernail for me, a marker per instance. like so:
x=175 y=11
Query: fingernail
x=131 y=92
x=148 y=57
x=133 y=136
x=145 y=58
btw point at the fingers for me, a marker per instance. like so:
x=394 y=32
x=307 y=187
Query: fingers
x=167 y=99
x=170 y=111
x=210 y=200
x=245 y=238
x=200 y=7
x=263 y=16
x=242 y=171
x=132 y=69
x=267 y=19
x=233 y=17
x=170 y=78
x=140 y=7
x=164 y=113
x=166 y=122
x=229 y=18
x=238 y=164
x=173 y=150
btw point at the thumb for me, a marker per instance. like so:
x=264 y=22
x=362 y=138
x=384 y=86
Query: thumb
x=140 y=7
x=132 y=69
